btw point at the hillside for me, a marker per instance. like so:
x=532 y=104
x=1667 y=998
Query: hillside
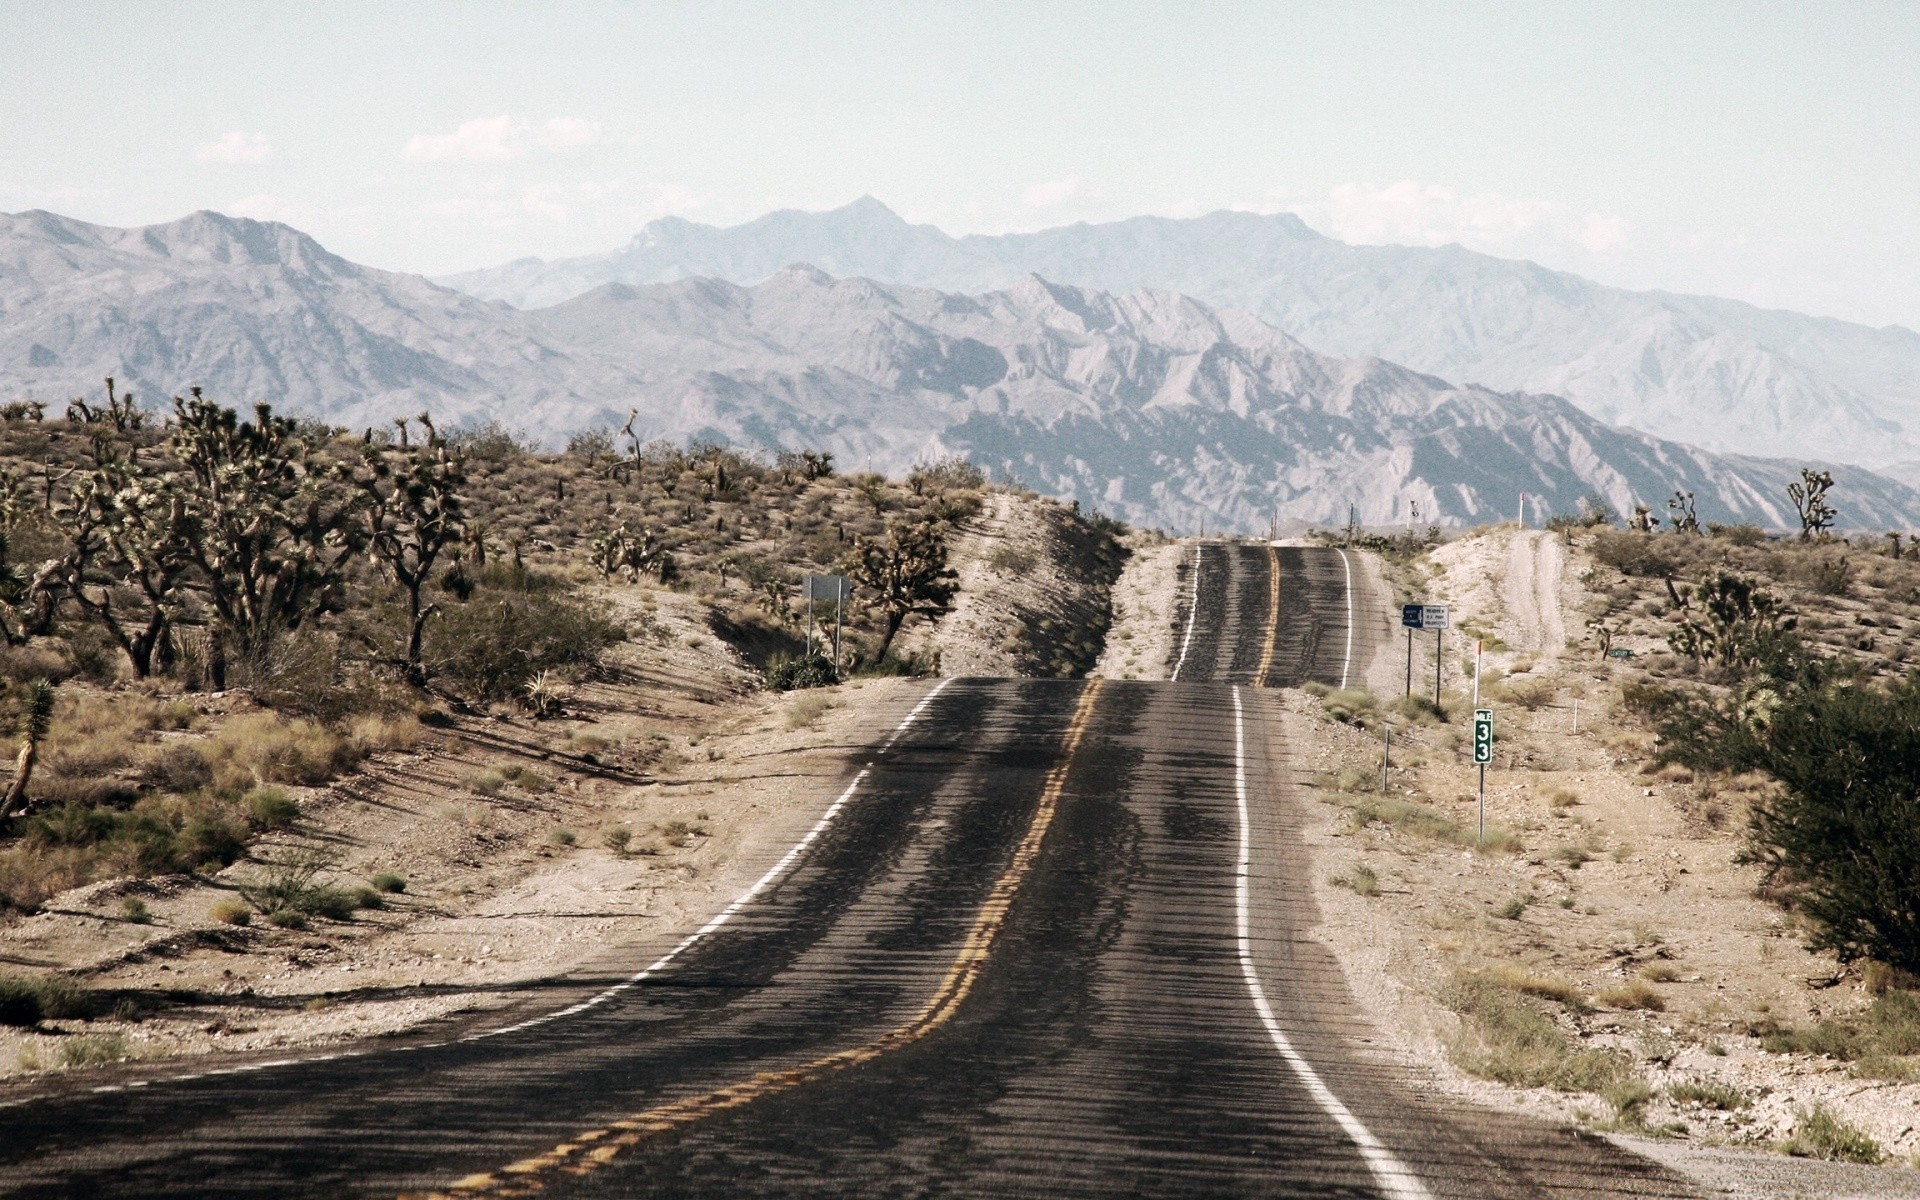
x=1712 y=372
x=1149 y=405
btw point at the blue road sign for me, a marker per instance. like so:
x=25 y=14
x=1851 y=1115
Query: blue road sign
x=1410 y=615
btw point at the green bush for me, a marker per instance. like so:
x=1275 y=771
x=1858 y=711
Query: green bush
x=493 y=645
x=387 y=881
x=793 y=674
x=1842 y=834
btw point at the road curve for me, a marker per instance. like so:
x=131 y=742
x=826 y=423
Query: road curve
x=1053 y=941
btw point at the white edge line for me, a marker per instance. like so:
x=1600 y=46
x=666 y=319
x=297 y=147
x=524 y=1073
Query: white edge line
x=745 y=898
x=1346 y=664
x=1193 y=610
x=1394 y=1177
x=658 y=964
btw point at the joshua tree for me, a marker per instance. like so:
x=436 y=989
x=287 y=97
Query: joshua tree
x=120 y=413
x=1809 y=498
x=907 y=573
x=272 y=523
x=129 y=557
x=411 y=513
x=36 y=714
x=1680 y=513
x=1728 y=620
x=623 y=550
x=1642 y=520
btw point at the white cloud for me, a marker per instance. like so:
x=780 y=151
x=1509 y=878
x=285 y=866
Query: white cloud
x=236 y=147
x=500 y=139
x=1047 y=195
x=562 y=132
x=483 y=139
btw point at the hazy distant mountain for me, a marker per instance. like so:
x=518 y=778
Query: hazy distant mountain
x=1151 y=404
x=1717 y=373
x=256 y=310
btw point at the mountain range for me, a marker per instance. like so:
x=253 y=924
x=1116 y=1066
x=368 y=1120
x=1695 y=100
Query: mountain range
x=1149 y=404
x=1716 y=373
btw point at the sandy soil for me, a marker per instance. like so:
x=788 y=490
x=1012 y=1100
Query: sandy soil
x=1146 y=605
x=507 y=883
x=1619 y=877
x=1023 y=593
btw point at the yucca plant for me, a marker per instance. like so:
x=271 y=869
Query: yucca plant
x=36 y=714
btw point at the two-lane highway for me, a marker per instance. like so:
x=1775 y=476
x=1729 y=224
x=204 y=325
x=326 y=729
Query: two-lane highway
x=1271 y=616
x=1052 y=939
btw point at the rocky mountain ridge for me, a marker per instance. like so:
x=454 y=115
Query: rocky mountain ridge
x=1717 y=373
x=1151 y=405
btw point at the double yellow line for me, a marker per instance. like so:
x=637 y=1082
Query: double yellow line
x=595 y=1148
x=1273 y=617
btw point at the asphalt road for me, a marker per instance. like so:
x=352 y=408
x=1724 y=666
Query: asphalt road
x=1051 y=942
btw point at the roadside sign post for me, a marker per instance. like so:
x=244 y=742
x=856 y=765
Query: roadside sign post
x=1386 y=754
x=1425 y=616
x=1435 y=617
x=838 y=589
x=1482 y=755
x=1410 y=617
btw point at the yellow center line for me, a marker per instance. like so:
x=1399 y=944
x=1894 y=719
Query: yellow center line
x=1273 y=617
x=587 y=1152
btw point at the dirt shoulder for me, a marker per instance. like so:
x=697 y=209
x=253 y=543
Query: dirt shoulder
x=1609 y=962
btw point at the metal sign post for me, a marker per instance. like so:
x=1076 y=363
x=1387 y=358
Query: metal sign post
x=1482 y=755
x=1435 y=617
x=836 y=588
x=1410 y=617
x=1386 y=754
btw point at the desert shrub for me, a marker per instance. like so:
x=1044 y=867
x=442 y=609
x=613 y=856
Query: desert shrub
x=289 y=884
x=808 y=671
x=24 y=664
x=1362 y=880
x=1841 y=834
x=1739 y=535
x=388 y=882
x=806 y=710
x=1407 y=816
x=231 y=912
x=1820 y=1134
x=177 y=768
x=134 y=909
x=1541 y=987
x=261 y=748
x=28 y=1000
x=1889 y=1028
x=1633 y=995
x=1708 y=1093
x=1644 y=554
x=561 y=837
x=522 y=624
x=618 y=839
x=1511 y=1040
x=92 y=1051
x=158 y=836
x=271 y=807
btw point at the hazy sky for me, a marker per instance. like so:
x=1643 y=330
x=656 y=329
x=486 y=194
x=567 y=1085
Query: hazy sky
x=1765 y=151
